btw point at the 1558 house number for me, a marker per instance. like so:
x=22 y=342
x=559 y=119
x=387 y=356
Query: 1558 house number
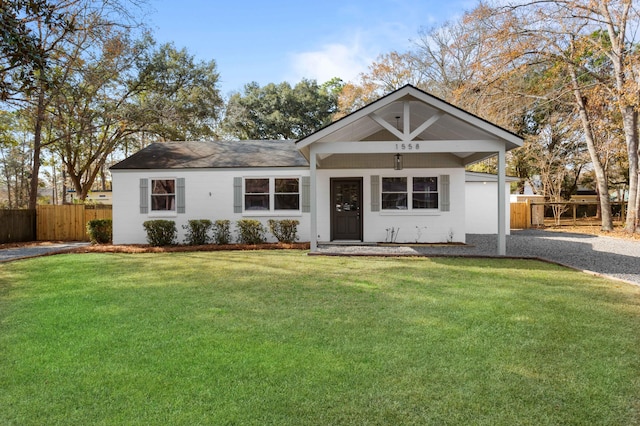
x=407 y=146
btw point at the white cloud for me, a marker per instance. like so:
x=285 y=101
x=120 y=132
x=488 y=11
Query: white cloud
x=331 y=60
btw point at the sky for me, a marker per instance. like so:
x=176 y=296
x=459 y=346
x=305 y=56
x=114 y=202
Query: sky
x=288 y=40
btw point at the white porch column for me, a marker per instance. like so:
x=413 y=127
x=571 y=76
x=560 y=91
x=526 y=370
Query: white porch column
x=314 y=200
x=502 y=226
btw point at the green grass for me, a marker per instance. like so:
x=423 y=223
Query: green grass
x=279 y=337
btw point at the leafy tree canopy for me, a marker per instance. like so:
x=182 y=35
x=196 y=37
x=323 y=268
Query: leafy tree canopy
x=22 y=56
x=178 y=97
x=279 y=111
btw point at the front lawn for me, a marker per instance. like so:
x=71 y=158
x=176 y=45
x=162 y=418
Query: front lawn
x=278 y=337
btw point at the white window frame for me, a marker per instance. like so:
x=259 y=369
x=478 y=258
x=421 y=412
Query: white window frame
x=163 y=213
x=410 y=209
x=405 y=192
x=298 y=193
x=272 y=196
x=245 y=194
x=437 y=192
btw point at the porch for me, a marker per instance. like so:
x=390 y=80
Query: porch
x=421 y=142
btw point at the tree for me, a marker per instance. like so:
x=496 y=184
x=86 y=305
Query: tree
x=595 y=44
x=125 y=88
x=180 y=99
x=389 y=72
x=89 y=113
x=62 y=45
x=280 y=111
x=63 y=30
x=23 y=56
x=617 y=18
x=14 y=161
x=558 y=38
x=449 y=56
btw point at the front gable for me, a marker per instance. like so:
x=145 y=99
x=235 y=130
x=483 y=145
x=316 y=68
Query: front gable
x=408 y=121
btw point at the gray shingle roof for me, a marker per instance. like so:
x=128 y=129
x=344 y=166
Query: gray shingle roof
x=216 y=154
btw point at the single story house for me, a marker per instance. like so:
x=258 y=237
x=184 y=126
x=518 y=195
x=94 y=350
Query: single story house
x=98 y=197
x=396 y=164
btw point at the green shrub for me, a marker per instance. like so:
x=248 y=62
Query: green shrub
x=285 y=231
x=222 y=231
x=161 y=232
x=250 y=231
x=198 y=232
x=100 y=231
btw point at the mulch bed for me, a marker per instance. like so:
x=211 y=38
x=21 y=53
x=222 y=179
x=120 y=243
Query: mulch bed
x=145 y=248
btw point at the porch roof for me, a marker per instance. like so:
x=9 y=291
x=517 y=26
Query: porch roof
x=411 y=116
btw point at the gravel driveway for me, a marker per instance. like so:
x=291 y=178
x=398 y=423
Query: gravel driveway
x=614 y=257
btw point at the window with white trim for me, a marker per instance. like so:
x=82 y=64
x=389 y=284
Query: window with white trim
x=272 y=194
x=163 y=195
x=256 y=194
x=422 y=191
x=394 y=193
x=286 y=194
x=425 y=193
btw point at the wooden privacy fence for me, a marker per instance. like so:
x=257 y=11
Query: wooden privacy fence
x=520 y=216
x=527 y=214
x=67 y=222
x=17 y=226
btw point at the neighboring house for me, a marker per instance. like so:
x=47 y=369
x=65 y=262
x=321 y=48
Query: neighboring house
x=98 y=197
x=585 y=195
x=398 y=163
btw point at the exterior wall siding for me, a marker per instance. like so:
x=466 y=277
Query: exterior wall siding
x=209 y=194
x=429 y=226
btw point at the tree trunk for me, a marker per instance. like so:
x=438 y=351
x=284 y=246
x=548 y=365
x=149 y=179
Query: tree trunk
x=37 y=143
x=9 y=190
x=64 y=185
x=630 y=120
x=638 y=205
x=602 y=180
x=7 y=177
x=617 y=55
x=103 y=178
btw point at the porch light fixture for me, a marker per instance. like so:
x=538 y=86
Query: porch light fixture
x=397 y=162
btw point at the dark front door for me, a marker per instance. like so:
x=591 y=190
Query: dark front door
x=346 y=209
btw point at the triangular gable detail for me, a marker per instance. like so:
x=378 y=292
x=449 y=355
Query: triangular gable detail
x=407 y=102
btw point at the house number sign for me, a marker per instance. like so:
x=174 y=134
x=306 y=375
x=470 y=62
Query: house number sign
x=407 y=146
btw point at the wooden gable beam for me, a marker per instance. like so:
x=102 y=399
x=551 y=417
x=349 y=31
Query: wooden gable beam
x=406 y=135
x=424 y=126
x=406 y=121
x=381 y=121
